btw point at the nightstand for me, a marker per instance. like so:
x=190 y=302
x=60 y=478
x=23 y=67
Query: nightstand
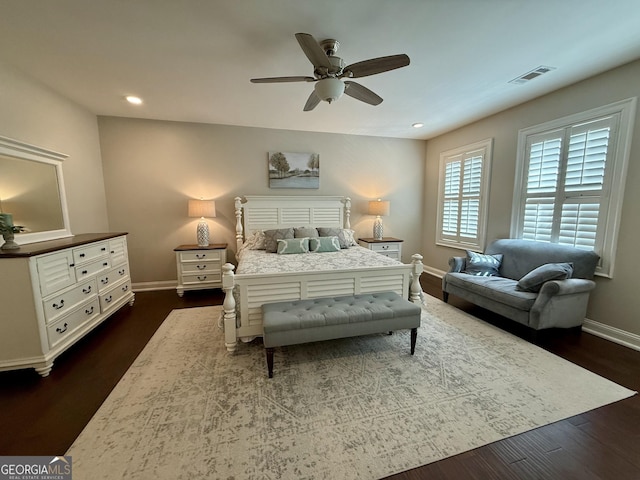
x=200 y=267
x=388 y=246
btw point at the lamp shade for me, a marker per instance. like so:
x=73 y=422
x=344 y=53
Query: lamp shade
x=202 y=208
x=379 y=207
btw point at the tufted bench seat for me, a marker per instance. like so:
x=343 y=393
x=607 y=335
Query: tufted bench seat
x=304 y=321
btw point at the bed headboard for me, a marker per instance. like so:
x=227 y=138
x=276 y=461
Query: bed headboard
x=264 y=212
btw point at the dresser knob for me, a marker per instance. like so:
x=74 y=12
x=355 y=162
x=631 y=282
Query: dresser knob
x=87 y=289
x=63 y=329
x=108 y=299
x=89 y=311
x=58 y=306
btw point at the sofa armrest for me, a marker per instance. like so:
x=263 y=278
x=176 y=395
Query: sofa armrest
x=561 y=303
x=457 y=264
x=566 y=287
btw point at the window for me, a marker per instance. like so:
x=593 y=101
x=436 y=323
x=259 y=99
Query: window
x=462 y=197
x=570 y=180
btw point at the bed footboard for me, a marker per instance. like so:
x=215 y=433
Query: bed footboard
x=242 y=319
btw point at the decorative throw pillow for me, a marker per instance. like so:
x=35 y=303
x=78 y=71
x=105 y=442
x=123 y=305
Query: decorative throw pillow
x=483 y=265
x=255 y=241
x=532 y=281
x=271 y=238
x=324 y=244
x=337 y=232
x=293 y=245
x=308 y=232
x=350 y=237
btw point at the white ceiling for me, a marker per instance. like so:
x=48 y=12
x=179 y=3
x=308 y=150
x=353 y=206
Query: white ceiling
x=191 y=60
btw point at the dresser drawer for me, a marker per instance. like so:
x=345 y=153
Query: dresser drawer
x=90 y=252
x=85 y=271
x=113 y=276
x=61 y=303
x=112 y=296
x=201 y=255
x=57 y=331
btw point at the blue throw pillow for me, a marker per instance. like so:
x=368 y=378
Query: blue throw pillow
x=293 y=245
x=483 y=265
x=324 y=244
x=533 y=281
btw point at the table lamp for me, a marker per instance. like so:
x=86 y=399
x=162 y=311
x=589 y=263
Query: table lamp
x=202 y=209
x=378 y=208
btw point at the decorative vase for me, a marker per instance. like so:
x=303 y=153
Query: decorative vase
x=6 y=228
x=9 y=244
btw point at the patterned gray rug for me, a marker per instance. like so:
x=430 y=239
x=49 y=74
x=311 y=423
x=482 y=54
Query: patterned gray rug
x=359 y=408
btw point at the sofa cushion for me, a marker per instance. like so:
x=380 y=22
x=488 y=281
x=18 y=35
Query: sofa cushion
x=499 y=289
x=482 y=265
x=522 y=256
x=532 y=281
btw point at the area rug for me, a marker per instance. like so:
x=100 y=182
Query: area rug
x=359 y=408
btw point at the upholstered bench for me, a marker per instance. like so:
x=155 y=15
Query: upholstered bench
x=304 y=321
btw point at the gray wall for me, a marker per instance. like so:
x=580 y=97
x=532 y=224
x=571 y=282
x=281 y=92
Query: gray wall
x=34 y=114
x=615 y=302
x=151 y=168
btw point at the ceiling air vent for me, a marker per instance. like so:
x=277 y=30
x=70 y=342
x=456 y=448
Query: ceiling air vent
x=541 y=70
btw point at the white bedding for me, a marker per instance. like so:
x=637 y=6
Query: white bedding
x=261 y=262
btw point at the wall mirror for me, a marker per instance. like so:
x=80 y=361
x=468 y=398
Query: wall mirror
x=32 y=191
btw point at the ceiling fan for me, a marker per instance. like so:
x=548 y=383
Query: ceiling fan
x=329 y=70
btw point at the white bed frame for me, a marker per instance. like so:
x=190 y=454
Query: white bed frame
x=261 y=212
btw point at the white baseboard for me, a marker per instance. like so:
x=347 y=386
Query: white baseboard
x=150 y=286
x=613 y=334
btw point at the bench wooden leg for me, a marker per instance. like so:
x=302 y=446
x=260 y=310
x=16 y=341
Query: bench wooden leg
x=414 y=337
x=270 y=361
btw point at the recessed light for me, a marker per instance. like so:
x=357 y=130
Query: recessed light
x=418 y=125
x=134 y=100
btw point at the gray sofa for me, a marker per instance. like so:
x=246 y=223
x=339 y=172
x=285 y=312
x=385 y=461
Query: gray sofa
x=540 y=299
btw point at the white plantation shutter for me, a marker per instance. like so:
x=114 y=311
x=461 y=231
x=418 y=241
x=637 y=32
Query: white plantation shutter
x=567 y=170
x=462 y=202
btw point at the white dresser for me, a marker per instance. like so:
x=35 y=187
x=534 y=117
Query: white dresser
x=200 y=267
x=387 y=246
x=53 y=293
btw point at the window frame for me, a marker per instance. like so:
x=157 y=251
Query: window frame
x=611 y=198
x=479 y=242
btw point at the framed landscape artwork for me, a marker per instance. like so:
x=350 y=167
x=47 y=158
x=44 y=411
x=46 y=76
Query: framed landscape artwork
x=294 y=170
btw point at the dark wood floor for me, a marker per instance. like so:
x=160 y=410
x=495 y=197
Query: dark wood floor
x=43 y=416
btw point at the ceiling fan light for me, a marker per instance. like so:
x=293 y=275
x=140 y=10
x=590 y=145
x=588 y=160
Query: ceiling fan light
x=329 y=89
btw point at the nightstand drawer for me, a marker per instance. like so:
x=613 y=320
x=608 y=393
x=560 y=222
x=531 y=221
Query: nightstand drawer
x=200 y=268
x=385 y=247
x=201 y=255
x=201 y=278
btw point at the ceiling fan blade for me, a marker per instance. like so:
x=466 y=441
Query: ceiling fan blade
x=375 y=65
x=313 y=50
x=361 y=93
x=312 y=102
x=282 y=79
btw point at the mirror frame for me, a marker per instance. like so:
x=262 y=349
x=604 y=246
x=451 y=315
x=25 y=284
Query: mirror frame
x=16 y=149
